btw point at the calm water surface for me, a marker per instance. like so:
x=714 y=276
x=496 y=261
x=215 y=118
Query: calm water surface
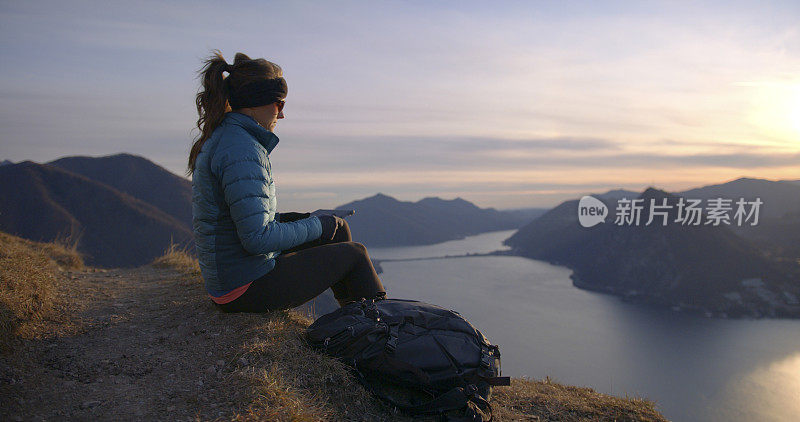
x=695 y=368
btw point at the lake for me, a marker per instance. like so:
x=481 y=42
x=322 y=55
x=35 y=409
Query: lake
x=694 y=368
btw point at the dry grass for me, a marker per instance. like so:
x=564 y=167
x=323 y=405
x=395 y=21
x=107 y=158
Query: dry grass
x=178 y=258
x=30 y=277
x=64 y=250
x=552 y=401
x=288 y=381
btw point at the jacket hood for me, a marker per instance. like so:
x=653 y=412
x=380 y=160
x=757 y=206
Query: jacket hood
x=266 y=138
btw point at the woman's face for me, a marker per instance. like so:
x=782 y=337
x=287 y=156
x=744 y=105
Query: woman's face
x=268 y=115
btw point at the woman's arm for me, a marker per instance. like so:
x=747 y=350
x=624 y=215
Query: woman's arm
x=244 y=174
x=291 y=216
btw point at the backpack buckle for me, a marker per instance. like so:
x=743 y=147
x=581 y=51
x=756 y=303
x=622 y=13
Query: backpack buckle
x=391 y=345
x=486 y=358
x=470 y=390
x=369 y=309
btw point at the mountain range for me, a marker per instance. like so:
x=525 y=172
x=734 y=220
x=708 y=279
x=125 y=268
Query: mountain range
x=139 y=178
x=124 y=210
x=713 y=269
x=381 y=220
x=44 y=202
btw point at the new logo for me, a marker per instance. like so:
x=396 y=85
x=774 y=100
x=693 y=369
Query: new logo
x=591 y=211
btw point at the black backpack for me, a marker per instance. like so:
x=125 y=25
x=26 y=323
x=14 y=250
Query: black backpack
x=421 y=358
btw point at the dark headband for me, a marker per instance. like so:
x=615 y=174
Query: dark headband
x=257 y=93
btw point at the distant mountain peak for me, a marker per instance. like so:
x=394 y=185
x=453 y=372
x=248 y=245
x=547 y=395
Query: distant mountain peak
x=652 y=192
x=618 y=194
x=117 y=156
x=746 y=179
x=378 y=198
x=457 y=199
x=127 y=155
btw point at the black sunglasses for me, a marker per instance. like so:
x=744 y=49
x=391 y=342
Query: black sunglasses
x=281 y=104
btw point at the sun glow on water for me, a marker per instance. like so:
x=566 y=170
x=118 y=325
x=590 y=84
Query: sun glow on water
x=771 y=391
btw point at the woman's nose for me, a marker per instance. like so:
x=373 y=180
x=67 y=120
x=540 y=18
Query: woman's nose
x=280 y=114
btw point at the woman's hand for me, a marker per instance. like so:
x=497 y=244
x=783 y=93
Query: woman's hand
x=330 y=223
x=293 y=216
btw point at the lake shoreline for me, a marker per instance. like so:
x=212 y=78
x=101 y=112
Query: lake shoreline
x=635 y=298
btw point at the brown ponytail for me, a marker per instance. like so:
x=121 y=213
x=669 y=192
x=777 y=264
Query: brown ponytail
x=212 y=102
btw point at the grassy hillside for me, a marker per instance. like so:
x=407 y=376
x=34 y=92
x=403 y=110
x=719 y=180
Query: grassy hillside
x=32 y=301
x=147 y=342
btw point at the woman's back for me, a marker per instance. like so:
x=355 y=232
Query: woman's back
x=234 y=242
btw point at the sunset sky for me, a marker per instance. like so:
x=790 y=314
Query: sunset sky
x=505 y=104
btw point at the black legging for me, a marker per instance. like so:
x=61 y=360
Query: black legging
x=304 y=272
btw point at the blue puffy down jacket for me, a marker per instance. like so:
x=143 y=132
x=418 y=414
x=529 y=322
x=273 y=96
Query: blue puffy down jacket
x=237 y=229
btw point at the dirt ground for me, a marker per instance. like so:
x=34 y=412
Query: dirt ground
x=134 y=359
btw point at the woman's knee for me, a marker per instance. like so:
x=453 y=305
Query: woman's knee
x=355 y=249
x=359 y=247
x=346 y=251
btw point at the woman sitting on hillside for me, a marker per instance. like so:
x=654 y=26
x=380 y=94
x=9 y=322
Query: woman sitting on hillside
x=252 y=258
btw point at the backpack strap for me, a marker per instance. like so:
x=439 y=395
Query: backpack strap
x=473 y=415
x=391 y=342
x=495 y=381
x=454 y=399
x=451 y=400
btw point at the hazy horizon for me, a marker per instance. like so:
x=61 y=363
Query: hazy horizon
x=416 y=197
x=507 y=105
